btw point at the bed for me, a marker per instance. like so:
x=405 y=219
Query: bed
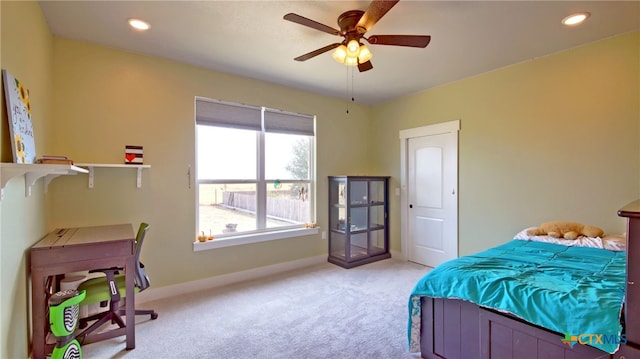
x=533 y=298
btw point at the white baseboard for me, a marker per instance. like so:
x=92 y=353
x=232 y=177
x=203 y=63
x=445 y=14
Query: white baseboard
x=226 y=279
x=398 y=255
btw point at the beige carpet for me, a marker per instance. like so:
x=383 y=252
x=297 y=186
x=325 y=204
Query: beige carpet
x=323 y=311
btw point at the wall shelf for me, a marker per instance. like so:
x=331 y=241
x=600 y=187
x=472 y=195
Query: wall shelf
x=91 y=167
x=32 y=172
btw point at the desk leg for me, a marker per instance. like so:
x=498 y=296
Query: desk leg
x=39 y=314
x=130 y=307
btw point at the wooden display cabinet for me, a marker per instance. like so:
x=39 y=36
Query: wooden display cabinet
x=358 y=220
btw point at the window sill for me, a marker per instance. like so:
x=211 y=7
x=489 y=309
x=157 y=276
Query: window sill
x=253 y=238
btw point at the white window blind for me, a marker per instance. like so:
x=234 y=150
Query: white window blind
x=287 y=122
x=240 y=116
x=225 y=114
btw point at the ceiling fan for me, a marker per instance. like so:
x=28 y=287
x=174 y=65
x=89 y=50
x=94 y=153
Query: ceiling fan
x=353 y=25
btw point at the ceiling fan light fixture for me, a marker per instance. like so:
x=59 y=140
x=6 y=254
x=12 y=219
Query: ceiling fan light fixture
x=340 y=54
x=364 y=55
x=351 y=61
x=575 y=19
x=353 y=48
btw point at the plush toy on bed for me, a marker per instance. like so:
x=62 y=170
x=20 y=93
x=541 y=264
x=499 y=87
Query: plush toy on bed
x=567 y=230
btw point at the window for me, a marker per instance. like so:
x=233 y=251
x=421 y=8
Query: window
x=254 y=171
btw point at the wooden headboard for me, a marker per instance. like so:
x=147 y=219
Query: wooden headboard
x=632 y=300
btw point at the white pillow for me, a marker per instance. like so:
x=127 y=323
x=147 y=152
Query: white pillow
x=612 y=242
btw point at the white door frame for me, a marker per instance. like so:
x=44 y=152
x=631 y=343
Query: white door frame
x=405 y=135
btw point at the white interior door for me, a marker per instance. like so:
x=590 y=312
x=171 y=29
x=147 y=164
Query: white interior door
x=432 y=198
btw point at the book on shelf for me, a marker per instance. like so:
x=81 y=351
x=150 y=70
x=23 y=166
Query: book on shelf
x=55 y=160
x=54 y=157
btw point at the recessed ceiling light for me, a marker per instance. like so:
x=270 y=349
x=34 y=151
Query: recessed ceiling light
x=575 y=19
x=139 y=24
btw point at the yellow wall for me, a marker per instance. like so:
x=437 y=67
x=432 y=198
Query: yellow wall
x=27 y=52
x=105 y=99
x=555 y=138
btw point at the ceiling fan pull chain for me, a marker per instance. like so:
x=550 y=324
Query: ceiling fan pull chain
x=347 y=88
x=352 y=82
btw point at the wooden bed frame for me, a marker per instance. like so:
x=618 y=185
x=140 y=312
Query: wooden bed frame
x=455 y=329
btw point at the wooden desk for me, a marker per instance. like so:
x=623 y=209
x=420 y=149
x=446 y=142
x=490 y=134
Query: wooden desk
x=79 y=249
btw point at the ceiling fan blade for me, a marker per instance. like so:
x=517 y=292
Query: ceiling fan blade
x=310 y=23
x=365 y=66
x=317 y=52
x=374 y=12
x=400 y=40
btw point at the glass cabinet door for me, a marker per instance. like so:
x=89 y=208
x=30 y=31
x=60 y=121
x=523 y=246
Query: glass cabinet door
x=376 y=191
x=337 y=192
x=337 y=209
x=358 y=192
x=359 y=245
x=358 y=219
x=376 y=242
x=376 y=216
x=338 y=218
x=337 y=245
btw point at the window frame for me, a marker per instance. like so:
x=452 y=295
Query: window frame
x=262 y=233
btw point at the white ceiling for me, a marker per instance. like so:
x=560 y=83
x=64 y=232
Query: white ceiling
x=250 y=38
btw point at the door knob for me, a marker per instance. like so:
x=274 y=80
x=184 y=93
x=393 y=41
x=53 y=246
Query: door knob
x=410 y=206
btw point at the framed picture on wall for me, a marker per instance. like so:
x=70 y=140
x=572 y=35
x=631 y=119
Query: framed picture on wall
x=19 y=114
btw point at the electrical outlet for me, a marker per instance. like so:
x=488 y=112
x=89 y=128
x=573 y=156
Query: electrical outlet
x=324 y=234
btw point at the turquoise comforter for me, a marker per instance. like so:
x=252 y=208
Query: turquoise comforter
x=569 y=290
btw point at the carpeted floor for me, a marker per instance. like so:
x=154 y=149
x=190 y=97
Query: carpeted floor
x=323 y=311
